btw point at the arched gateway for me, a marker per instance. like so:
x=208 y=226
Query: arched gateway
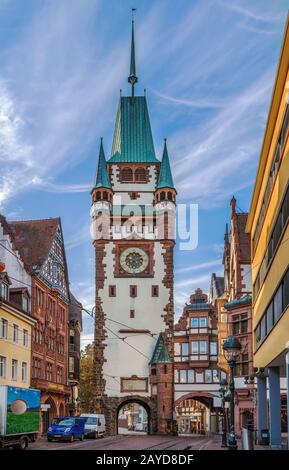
x=196 y=414
x=116 y=410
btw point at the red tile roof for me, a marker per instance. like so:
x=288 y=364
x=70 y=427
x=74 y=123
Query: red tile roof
x=33 y=239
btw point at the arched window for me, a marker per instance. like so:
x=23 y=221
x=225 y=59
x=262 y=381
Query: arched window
x=170 y=197
x=105 y=196
x=163 y=196
x=98 y=195
x=126 y=175
x=140 y=175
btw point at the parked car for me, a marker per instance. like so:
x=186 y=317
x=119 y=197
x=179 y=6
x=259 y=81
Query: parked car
x=139 y=427
x=66 y=429
x=94 y=425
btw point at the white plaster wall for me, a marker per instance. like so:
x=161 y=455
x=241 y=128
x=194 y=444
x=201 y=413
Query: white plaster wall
x=123 y=198
x=150 y=186
x=14 y=264
x=181 y=390
x=121 y=359
x=247 y=277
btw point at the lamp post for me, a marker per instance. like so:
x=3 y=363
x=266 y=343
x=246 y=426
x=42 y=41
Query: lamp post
x=223 y=385
x=232 y=349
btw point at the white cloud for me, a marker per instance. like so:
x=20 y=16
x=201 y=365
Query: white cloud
x=251 y=14
x=197 y=267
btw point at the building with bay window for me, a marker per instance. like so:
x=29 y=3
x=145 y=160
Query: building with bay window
x=234 y=310
x=197 y=374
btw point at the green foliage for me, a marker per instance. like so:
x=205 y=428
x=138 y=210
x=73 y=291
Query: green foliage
x=86 y=376
x=27 y=422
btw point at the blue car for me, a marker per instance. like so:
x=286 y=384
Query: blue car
x=66 y=429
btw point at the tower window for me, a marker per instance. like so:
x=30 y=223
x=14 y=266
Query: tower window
x=112 y=291
x=133 y=291
x=155 y=291
x=126 y=175
x=163 y=196
x=170 y=197
x=132 y=314
x=140 y=175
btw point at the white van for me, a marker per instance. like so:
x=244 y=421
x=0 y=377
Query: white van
x=94 y=425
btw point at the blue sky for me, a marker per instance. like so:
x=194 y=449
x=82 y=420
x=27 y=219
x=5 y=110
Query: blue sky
x=208 y=67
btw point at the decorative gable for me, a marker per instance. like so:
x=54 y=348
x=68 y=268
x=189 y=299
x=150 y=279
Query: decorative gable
x=53 y=271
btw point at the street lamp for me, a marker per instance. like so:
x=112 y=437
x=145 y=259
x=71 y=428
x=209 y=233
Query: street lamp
x=223 y=389
x=231 y=348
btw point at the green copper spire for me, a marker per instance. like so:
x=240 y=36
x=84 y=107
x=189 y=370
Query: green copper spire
x=102 y=180
x=160 y=354
x=165 y=177
x=132 y=79
x=133 y=141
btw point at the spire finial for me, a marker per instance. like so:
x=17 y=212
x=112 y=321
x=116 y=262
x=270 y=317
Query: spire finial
x=132 y=79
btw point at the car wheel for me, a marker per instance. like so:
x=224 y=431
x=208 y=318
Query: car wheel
x=23 y=443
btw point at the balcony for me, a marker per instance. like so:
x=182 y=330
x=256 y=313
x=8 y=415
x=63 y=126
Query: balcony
x=199 y=360
x=199 y=331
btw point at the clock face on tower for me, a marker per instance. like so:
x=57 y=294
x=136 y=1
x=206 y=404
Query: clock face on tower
x=134 y=260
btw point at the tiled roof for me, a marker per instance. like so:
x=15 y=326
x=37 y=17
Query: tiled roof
x=160 y=354
x=75 y=309
x=165 y=177
x=33 y=239
x=245 y=299
x=133 y=140
x=198 y=306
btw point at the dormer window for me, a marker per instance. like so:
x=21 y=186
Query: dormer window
x=21 y=297
x=4 y=286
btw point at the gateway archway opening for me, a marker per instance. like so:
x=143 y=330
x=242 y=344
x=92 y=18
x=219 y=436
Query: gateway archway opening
x=133 y=418
x=195 y=416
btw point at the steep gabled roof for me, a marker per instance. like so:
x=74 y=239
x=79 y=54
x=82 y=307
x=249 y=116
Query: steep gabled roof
x=33 y=239
x=75 y=309
x=243 y=237
x=160 y=354
x=133 y=141
x=165 y=177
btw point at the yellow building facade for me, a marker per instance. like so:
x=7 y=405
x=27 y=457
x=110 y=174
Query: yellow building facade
x=269 y=231
x=15 y=346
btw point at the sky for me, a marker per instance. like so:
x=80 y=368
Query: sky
x=208 y=67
